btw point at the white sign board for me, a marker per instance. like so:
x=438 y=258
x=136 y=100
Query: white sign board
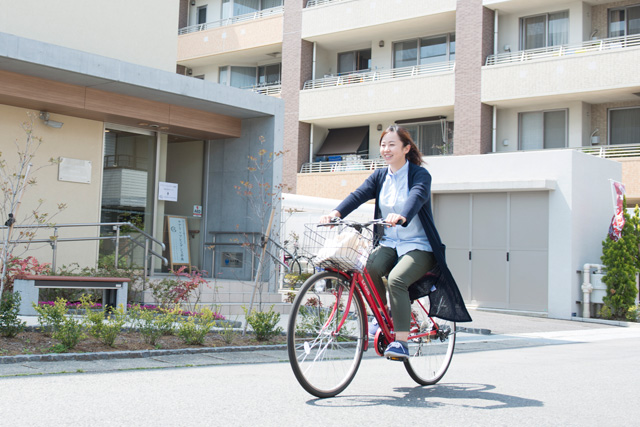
x=168 y=191
x=178 y=240
x=197 y=211
x=74 y=170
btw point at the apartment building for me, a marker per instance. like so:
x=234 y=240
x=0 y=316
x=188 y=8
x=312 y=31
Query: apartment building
x=524 y=112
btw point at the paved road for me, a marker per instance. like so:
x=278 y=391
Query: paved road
x=536 y=372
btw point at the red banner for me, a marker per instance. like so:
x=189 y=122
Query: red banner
x=617 y=222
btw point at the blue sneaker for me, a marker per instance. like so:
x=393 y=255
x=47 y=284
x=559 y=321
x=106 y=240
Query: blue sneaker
x=396 y=351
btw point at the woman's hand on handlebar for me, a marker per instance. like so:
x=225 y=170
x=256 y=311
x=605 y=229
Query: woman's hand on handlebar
x=331 y=217
x=395 y=219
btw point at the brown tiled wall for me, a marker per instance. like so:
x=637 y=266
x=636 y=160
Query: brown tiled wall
x=296 y=69
x=331 y=185
x=631 y=180
x=599 y=117
x=183 y=14
x=474 y=41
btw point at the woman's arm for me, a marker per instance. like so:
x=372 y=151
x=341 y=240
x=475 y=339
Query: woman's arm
x=419 y=195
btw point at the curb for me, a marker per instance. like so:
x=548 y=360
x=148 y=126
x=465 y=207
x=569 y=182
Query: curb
x=61 y=357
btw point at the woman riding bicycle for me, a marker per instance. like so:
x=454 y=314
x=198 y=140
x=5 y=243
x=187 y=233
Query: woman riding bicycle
x=404 y=254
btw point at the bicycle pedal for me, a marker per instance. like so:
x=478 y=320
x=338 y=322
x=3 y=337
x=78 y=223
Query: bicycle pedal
x=396 y=359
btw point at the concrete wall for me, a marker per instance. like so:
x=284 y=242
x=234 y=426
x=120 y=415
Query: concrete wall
x=227 y=212
x=143 y=32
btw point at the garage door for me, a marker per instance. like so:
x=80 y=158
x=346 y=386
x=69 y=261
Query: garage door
x=497 y=246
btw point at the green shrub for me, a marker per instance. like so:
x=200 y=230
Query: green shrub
x=70 y=332
x=195 y=328
x=633 y=314
x=165 y=320
x=263 y=323
x=622 y=262
x=104 y=325
x=10 y=323
x=144 y=322
x=51 y=317
x=227 y=332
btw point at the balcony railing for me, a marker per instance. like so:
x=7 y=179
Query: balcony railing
x=613 y=151
x=312 y=3
x=565 y=50
x=232 y=20
x=343 y=166
x=268 y=89
x=379 y=75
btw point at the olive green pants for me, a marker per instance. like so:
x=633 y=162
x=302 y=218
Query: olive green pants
x=401 y=273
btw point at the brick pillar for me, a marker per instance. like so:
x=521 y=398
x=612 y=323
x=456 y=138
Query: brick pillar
x=474 y=41
x=297 y=55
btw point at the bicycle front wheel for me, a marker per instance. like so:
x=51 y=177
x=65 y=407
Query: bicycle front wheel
x=325 y=335
x=431 y=351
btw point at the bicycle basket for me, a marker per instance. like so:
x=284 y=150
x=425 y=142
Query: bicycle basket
x=340 y=247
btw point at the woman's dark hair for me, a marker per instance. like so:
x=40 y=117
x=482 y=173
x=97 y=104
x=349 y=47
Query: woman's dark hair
x=414 y=156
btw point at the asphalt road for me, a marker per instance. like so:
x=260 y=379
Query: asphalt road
x=569 y=375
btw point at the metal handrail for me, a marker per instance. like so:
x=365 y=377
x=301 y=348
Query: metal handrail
x=343 y=166
x=379 y=75
x=565 y=50
x=53 y=240
x=266 y=89
x=612 y=151
x=232 y=20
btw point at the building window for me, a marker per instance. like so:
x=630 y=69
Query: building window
x=624 y=126
x=426 y=50
x=542 y=129
x=624 y=21
x=202 y=15
x=433 y=137
x=248 y=77
x=539 y=31
x=231 y=8
x=359 y=60
x=269 y=74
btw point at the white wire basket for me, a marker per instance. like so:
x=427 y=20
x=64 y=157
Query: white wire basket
x=341 y=247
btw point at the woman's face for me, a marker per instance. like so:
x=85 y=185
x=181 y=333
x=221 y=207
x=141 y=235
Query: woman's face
x=393 y=151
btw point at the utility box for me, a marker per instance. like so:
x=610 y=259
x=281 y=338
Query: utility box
x=599 y=288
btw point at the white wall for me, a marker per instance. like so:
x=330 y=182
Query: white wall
x=143 y=32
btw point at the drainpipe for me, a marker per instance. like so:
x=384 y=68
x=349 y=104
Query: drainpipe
x=313 y=62
x=311 y=144
x=494 y=130
x=587 y=287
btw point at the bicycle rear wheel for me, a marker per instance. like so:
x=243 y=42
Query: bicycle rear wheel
x=430 y=355
x=325 y=356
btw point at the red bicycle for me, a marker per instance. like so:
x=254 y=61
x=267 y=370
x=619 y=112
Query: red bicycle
x=328 y=327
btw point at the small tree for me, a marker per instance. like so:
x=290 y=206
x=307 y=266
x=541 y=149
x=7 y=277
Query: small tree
x=621 y=259
x=15 y=178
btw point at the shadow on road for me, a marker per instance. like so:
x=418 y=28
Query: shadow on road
x=477 y=396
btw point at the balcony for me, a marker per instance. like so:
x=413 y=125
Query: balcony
x=423 y=89
x=377 y=19
x=593 y=71
x=259 y=31
x=233 y=20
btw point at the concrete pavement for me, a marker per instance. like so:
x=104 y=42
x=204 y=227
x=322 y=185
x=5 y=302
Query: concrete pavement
x=489 y=330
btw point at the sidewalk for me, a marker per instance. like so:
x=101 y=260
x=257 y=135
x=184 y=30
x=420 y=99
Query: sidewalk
x=485 y=325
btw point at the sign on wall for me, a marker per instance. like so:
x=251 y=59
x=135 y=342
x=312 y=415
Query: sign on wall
x=168 y=191
x=74 y=170
x=178 y=241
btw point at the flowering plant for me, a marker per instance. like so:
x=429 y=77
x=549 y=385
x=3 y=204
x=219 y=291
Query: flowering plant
x=19 y=267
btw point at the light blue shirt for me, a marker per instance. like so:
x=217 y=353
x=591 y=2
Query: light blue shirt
x=393 y=196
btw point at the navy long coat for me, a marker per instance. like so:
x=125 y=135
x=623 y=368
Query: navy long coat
x=446 y=301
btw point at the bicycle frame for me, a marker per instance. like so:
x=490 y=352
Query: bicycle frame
x=361 y=289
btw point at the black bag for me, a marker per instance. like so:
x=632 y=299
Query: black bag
x=425 y=285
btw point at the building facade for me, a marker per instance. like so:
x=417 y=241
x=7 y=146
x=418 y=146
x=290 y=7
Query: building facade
x=133 y=140
x=481 y=84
